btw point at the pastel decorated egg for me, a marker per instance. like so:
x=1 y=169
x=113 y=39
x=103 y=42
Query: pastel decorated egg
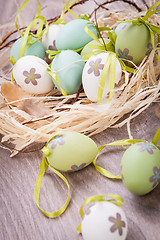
x=73 y=36
x=35 y=49
x=30 y=73
x=141 y=167
x=48 y=40
x=133 y=43
x=92 y=74
x=120 y=26
x=70 y=151
x=88 y=50
x=68 y=66
x=104 y=220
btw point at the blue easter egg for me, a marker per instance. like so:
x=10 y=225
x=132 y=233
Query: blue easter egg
x=73 y=36
x=36 y=49
x=69 y=67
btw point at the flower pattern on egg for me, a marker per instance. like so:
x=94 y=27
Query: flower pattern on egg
x=53 y=47
x=155 y=179
x=57 y=140
x=95 y=67
x=31 y=76
x=77 y=168
x=146 y=146
x=118 y=224
x=124 y=54
x=150 y=47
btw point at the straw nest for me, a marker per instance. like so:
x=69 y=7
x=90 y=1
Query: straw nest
x=28 y=118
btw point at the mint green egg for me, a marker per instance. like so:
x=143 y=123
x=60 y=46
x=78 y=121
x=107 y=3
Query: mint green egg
x=73 y=36
x=69 y=67
x=70 y=151
x=87 y=50
x=36 y=49
x=141 y=168
x=133 y=43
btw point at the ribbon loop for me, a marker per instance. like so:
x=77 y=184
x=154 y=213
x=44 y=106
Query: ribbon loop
x=114 y=198
x=122 y=143
x=43 y=168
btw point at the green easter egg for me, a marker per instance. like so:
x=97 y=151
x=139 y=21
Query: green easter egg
x=141 y=168
x=36 y=49
x=133 y=43
x=87 y=50
x=70 y=151
x=69 y=66
x=73 y=36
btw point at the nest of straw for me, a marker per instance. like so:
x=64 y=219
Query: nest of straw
x=26 y=118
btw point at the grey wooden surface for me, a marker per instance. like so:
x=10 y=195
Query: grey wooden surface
x=20 y=218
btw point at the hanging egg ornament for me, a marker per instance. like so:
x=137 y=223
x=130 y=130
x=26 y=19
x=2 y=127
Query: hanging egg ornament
x=88 y=50
x=49 y=38
x=133 y=43
x=30 y=73
x=104 y=220
x=92 y=74
x=70 y=151
x=141 y=168
x=35 y=49
x=68 y=66
x=73 y=35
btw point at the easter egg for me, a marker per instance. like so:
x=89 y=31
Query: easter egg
x=104 y=220
x=69 y=66
x=133 y=43
x=120 y=26
x=48 y=40
x=88 y=50
x=35 y=49
x=70 y=151
x=30 y=73
x=73 y=36
x=141 y=167
x=92 y=74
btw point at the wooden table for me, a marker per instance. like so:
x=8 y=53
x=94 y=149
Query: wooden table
x=20 y=218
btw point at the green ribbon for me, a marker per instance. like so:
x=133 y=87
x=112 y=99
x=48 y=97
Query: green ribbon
x=114 y=198
x=152 y=28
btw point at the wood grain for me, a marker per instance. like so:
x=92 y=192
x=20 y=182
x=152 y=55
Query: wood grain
x=20 y=219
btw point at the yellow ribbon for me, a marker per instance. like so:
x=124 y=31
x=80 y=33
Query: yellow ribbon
x=55 y=76
x=43 y=168
x=27 y=35
x=115 y=199
x=156 y=137
x=152 y=28
x=110 y=64
x=122 y=143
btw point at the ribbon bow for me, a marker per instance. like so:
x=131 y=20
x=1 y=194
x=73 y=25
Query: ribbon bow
x=152 y=28
x=27 y=35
